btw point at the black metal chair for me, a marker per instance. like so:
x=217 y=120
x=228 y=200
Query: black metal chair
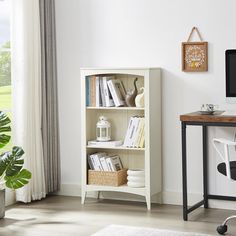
x=227 y=168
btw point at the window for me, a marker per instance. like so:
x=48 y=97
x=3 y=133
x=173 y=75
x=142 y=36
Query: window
x=5 y=59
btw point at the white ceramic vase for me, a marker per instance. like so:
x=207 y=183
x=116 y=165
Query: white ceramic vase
x=139 y=99
x=136 y=178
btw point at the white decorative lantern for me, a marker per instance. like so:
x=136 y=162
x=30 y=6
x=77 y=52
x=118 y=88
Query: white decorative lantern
x=103 y=129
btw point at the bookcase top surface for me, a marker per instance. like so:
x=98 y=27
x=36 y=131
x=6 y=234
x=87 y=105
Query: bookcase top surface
x=120 y=68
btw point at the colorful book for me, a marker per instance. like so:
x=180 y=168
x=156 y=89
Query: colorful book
x=87 y=91
x=93 y=91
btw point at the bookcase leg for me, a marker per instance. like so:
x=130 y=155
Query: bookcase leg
x=83 y=197
x=148 y=202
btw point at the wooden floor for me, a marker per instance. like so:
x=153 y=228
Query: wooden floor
x=57 y=216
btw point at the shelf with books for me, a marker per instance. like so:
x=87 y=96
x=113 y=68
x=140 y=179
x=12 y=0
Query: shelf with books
x=139 y=151
x=110 y=90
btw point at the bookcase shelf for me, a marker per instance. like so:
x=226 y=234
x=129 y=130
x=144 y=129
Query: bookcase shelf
x=122 y=188
x=147 y=158
x=116 y=108
x=117 y=148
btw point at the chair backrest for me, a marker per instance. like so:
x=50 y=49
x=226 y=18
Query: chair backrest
x=224 y=156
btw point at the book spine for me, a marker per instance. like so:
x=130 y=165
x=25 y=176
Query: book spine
x=119 y=91
x=109 y=163
x=132 y=132
x=108 y=98
x=94 y=163
x=105 y=89
x=102 y=92
x=137 y=141
x=98 y=95
x=90 y=163
x=93 y=91
x=135 y=132
x=104 y=163
x=87 y=91
x=128 y=131
x=113 y=93
x=116 y=163
x=120 y=162
x=97 y=159
x=142 y=140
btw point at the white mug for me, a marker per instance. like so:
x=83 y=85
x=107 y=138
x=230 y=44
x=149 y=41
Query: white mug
x=209 y=107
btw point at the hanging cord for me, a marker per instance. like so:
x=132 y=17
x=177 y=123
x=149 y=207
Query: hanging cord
x=198 y=33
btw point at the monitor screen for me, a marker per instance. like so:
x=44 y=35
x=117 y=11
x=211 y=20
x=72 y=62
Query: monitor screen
x=230 y=66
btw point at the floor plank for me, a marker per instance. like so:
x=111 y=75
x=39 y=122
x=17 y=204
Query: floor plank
x=58 y=215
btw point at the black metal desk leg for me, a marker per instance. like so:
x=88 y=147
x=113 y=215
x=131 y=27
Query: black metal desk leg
x=205 y=166
x=184 y=173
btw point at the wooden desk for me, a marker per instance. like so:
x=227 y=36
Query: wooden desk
x=196 y=119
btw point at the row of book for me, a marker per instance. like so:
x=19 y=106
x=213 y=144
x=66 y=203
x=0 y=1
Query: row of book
x=102 y=161
x=104 y=91
x=135 y=134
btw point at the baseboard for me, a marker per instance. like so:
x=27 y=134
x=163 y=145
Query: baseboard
x=175 y=198
x=72 y=190
x=172 y=198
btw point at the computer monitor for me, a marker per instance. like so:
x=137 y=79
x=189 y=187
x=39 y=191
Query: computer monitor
x=230 y=70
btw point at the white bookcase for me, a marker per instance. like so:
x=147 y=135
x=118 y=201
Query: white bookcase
x=148 y=158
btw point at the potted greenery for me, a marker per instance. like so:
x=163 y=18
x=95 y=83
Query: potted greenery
x=12 y=174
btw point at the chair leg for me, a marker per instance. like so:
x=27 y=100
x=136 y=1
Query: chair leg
x=221 y=229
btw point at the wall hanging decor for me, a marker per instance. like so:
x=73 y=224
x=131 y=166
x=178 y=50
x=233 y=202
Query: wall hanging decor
x=194 y=54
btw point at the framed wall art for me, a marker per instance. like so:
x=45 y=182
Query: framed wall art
x=194 y=54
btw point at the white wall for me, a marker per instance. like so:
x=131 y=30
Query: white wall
x=133 y=33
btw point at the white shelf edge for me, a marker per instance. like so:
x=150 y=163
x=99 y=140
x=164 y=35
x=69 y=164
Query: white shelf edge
x=117 y=148
x=117 y=108
x=122 y=188
x=120 y=68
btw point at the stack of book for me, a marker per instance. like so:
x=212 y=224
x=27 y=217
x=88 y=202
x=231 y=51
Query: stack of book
x=104 y=91
x=135 y=134
x=102 y=161
x=112 y=143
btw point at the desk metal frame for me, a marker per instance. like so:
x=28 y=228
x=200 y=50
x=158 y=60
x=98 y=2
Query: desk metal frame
x=206 y=195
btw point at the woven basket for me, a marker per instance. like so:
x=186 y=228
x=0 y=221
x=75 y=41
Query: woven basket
x=109 y=178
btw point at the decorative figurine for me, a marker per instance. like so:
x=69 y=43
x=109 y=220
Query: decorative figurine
x=139 y=100
x=131 y=94
x=103 y=129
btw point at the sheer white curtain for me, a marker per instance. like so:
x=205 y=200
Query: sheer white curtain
x=26 y=80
